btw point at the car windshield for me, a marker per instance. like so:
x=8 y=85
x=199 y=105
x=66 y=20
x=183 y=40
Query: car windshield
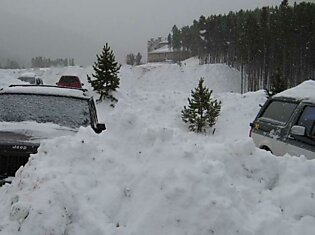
x=30 y=80
x=64 y=111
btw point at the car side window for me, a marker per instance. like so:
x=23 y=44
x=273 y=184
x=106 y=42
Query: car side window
x=279 y=111
x=307 y=120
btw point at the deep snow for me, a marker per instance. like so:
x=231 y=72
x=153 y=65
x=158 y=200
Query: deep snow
x=148 y=175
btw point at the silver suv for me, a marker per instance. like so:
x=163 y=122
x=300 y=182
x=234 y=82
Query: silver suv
x=286 y=122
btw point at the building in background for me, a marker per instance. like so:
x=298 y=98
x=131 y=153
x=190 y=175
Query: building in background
x=159 y=50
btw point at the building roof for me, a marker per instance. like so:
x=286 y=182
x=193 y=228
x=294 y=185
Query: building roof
x=163 y=49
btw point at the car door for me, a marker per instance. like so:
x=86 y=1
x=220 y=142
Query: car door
x=304 y=145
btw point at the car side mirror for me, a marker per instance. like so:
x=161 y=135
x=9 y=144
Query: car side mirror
x=57 y=83
x=82 y=84
x=298 y=130
x=99 y=128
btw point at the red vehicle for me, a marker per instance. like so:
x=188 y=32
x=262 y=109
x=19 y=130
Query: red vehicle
x=70 y=81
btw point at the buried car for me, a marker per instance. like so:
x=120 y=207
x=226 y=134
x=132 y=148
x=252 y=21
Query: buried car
x=29 y=114
x=286 y=122
x=31 y=78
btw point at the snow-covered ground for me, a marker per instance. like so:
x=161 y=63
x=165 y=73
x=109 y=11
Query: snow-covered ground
x=146 y=174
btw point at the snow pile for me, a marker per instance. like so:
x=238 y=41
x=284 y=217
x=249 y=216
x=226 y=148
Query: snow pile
x=8 y=77
x=305 y=90
x=50 y=76
x=148 y=175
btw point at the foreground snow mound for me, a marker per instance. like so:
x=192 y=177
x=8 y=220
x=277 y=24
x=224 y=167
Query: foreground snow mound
x=104 y=185
x=148 y=175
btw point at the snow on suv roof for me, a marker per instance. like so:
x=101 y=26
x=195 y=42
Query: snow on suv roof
x=27 y=74
x=46 y=90
x=304 y=91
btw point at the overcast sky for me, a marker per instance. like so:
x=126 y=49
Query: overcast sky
x=79 y=28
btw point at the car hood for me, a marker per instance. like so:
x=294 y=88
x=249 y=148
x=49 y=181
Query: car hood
x=32 y=132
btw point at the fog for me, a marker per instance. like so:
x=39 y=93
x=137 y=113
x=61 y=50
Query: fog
x=78 y=28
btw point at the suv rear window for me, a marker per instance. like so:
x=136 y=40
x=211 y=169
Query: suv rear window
x=64 y=111
x=69 y=79
x=279 y=111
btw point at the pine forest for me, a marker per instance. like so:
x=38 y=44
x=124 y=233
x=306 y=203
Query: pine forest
x=262 y=43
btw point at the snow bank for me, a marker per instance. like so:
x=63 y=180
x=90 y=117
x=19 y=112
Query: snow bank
x=49 y=75
x=148 y=175
x=305 y=90
x=8 y=77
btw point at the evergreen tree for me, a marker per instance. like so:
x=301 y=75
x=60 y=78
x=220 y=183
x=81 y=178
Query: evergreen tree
x=186 y=38
x=66 y=63
x=176 y=38
x=106 y=78
x=265 y=38
x=130 y=59
x=256 y=42
x=202 y=111
x=12 y=64
x=284 y=3
x=278 y=83
x=138 y=58
x=169 y=40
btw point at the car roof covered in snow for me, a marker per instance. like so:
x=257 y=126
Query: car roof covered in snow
x=28 y=74
x=46 y=90
x=304 y=91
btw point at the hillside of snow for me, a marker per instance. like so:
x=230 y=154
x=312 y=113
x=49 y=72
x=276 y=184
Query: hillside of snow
x=147 y=174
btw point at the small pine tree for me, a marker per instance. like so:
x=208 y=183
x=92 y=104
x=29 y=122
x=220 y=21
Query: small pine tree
x=106 y=69
x=202 y=111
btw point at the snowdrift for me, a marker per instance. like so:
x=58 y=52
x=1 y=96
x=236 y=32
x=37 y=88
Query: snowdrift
x=148 y=175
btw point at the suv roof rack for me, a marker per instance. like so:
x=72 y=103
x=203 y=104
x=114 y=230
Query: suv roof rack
x=83 y=90
x=31 y=85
